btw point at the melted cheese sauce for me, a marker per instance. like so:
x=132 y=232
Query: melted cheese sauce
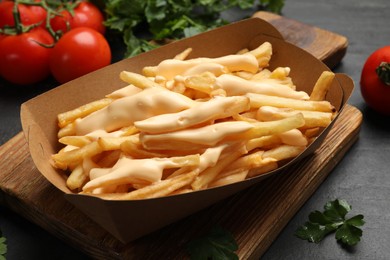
x=171 y=67
x=208 y=135
x=234 y=85
x=201 y=112
x=125 y=111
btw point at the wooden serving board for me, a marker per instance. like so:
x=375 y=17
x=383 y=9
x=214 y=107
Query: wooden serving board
x=254 y=216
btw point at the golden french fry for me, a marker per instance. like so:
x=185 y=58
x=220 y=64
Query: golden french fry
x=138 y=80
x=130 y=130
x=155 y=190
x=208 y=175
x=263 y=54
x=270 y=128
x=280 y=73
x=245 y=162
x=67 y=130
x=77 y=178
x=74 y=140
x=322 y=86
x=183 y=55
x=312 y=132
x=263 y=142
x=259 y=100
x=108 y=158
x=283 y=152
x=114 y=143
x=270 y=166
x=82 y=111
x=149 y=71
x=261 y=75
x=312 y=118
x=229 y=179
x=77 y=155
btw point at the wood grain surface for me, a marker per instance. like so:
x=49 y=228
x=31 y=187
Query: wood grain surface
x=327 y=46
x=254 y=217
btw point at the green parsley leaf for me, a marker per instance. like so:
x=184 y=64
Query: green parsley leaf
x=141 y=21
x=333 y=218
x=217 y=244
x=3 y=247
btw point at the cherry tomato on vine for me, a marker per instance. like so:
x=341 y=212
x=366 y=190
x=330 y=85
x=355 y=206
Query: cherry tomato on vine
x=375 y=80
x=78 y=52
x=85 y=15
x=23 y=58
x=28 y=14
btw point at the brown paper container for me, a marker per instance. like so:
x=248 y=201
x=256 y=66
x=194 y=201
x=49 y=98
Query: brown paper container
x=128 y=220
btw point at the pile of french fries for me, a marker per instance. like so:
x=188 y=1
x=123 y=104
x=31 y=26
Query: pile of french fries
x=190 y=124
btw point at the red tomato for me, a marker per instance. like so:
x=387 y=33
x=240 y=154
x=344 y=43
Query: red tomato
x=39 y=13
x=23 y=60
x=27 y=16
x=78 y=52
x=85 y=15
x=375 y=80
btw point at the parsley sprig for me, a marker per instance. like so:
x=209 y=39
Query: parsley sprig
x=332 y=219
x=217 y=244
x=3 y=247
x=145 y=25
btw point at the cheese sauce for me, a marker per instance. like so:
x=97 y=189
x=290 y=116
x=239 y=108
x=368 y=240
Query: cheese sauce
x=125 y=111
x=208 y=135
x=171 y=67
x=234 y=85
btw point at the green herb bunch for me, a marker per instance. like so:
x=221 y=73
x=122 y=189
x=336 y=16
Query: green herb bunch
x=145 y=24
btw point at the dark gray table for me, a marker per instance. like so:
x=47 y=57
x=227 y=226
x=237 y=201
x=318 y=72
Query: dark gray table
x=362 y=178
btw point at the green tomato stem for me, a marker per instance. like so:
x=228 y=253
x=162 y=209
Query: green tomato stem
x=383 y=72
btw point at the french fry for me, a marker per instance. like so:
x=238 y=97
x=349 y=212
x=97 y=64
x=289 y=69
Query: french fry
x=77 y=155
x=229 y=179
x=270 y=166
x=114 y=143
x=263 y=54
x=183 y=55
x=263 y=142
x=283 y=152
x=67 y=130
x=138 y=80
x=322 y=86
x=259 y=100
x=78 y=141
x=70 y=116
x=77 y=178
x=159 y=189
x=312 y=118
x=208 y=175
x=269 y=128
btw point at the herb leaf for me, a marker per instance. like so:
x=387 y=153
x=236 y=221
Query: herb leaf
x=217 y=244
x=3 y=247
x=333 y=218
x=141 y=21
